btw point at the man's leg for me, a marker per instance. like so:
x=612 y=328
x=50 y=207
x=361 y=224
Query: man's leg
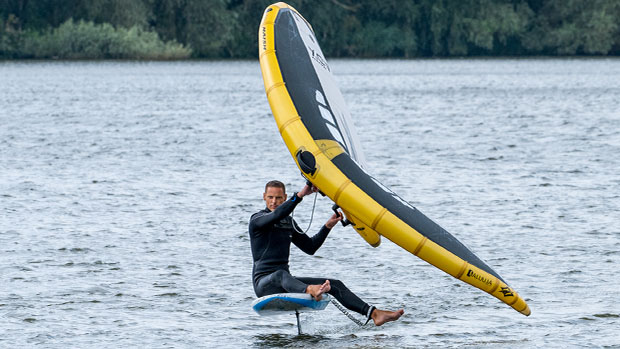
x=279 y=282
x=282 y=281
x=354 y=303
x=342 y=294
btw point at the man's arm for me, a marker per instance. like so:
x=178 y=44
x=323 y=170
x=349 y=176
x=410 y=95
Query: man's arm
x=311 y=244
x=263 y=219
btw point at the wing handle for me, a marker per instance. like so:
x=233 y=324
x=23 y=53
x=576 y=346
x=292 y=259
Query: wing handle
x=345 y=221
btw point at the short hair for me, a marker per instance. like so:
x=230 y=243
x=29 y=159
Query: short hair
x=275 y=184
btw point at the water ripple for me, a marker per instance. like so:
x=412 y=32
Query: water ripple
x=126 y=189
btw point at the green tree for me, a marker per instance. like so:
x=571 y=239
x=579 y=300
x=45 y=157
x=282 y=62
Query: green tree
x=568 y=27
x=119 y=13
x=244 y=31
x=10 y=37
x=208 y=27
x=387 y=28
x=345 y=28
x=205 y=26
x=459 y=28
x=88 y=40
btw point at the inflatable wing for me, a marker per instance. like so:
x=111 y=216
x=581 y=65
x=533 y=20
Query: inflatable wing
x=313 y=120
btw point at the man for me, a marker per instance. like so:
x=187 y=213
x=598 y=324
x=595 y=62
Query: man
x=271 y=232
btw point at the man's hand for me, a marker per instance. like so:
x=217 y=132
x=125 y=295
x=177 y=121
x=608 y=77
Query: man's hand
x=334 y=219
x=307 y=190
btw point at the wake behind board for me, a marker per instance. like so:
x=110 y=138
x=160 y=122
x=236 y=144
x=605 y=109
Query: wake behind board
x=275 y=304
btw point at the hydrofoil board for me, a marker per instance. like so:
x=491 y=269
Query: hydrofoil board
x=274 y=304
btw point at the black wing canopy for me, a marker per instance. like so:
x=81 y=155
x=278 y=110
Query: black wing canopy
x=317 y=114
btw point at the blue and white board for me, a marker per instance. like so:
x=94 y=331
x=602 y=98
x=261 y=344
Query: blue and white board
x=274 y=304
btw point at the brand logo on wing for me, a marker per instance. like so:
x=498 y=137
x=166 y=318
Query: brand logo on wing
x=319 y=59
x=264 y=38
x=478 y=277
x=507 y=292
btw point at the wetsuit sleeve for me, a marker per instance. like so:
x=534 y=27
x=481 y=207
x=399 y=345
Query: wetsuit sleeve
x=310 y=244
x=264 y=219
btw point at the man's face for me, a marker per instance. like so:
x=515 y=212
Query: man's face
x=274 y=197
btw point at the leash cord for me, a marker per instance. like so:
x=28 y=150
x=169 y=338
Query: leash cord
x=311 y=217
x=345 y=312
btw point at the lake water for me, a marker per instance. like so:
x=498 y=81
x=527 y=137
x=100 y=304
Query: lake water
x=126 y=188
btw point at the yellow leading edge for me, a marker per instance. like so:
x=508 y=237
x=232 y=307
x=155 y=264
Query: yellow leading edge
x=358 y=206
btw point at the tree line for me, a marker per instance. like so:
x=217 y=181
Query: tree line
x=177 y=29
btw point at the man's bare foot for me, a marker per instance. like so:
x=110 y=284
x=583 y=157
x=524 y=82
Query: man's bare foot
x=316 y=291
x=382 y=316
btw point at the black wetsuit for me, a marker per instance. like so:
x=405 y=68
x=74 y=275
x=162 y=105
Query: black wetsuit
x=271 y=234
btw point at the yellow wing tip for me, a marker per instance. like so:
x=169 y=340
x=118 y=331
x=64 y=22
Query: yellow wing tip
x=526 y=311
